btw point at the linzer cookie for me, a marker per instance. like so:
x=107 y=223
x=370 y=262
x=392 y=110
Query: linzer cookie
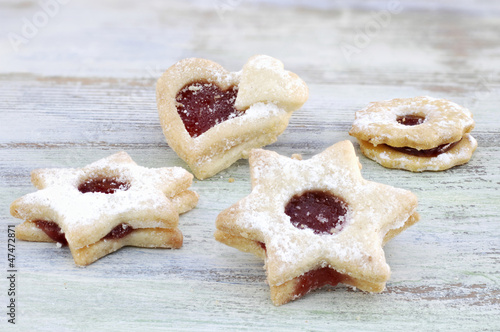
x=316 y=222
x=415 y=134
x=106 y=205
x=212 y=117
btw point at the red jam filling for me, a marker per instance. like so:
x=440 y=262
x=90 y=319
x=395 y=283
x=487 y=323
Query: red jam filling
x=410 y=120
x=55 y=233
x=204 y=105
x=103 y=185
x=434 y=152
x=320 y=211
x=316 y=279
x=119 y=232
x=52 y=230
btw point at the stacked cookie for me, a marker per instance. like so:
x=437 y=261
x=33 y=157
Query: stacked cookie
x=415 y=134
x=111 y=203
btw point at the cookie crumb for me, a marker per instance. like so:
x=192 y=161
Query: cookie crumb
x=230 y=180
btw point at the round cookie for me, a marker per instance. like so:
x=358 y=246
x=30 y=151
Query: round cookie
x=415 y=134
x=391 y=158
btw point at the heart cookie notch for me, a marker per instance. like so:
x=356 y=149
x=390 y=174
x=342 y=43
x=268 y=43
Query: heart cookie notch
x=212 y=117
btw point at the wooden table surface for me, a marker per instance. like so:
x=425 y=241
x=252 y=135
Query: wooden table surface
x=77 y=83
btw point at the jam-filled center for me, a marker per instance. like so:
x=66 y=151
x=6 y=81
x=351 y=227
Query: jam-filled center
x=434 y=152
x=55 y=232
x=52 y=230
x=320 y=211
x=204 y=105
x=105 y=185
x=410 y=120
x=316 y=279
x=119 y=232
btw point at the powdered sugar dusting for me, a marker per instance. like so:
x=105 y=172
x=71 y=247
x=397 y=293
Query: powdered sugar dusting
x=444 y=122
x=371 y=208
x=81 y=215
x=263 y=79
x=264 y=62
x=263 y=110
x=264 y=102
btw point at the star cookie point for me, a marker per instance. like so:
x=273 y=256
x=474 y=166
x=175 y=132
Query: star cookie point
x=104 y=206
x=316 y=222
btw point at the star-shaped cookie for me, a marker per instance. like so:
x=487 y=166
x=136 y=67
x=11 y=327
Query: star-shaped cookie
x=104 y=206
x=212 y=117
x=316 y=222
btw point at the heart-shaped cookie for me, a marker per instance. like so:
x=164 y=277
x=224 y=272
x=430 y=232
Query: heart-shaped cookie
x=212 y=117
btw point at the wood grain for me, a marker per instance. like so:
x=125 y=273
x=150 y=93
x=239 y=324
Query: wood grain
x=84 y=87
